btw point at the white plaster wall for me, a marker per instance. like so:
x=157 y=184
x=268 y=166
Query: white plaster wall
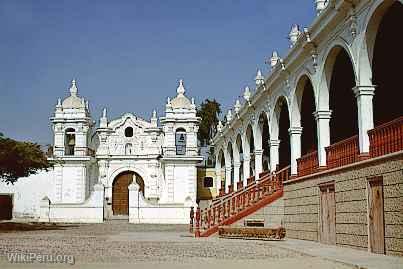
x=28 y=192
x=73 y=184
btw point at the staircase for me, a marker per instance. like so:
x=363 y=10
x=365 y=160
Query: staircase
x=232 y=207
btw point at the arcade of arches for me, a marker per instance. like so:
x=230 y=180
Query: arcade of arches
x=353 y=89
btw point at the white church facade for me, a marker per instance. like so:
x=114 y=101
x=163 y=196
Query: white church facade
x=125 y=168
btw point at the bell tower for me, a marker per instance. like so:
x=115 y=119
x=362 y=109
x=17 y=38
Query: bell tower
x=180 y=152
x=72 y=155
x=72 y=125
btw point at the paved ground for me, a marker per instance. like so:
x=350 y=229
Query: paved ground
x=123 y=245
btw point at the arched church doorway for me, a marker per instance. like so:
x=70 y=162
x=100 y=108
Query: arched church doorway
x=120 y=192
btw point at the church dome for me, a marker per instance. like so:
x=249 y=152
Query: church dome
x=73 y=101
x=181 y=101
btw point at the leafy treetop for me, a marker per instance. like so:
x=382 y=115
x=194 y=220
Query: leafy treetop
x=20 y=159
x=208 y=111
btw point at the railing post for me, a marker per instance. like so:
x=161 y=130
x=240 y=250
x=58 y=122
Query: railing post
x=191 y=219
x=198 y=220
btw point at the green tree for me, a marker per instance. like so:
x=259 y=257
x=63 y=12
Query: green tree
x=209 y=111
x=20 y=159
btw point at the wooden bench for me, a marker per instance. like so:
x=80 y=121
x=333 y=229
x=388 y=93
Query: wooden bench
x=252 y=232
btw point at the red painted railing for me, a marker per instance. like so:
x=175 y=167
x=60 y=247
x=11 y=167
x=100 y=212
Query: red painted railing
x=308 y=164
x=242 y=202
x=343 y=152
x=250 y=180
x=386 y=138
x=239 y=185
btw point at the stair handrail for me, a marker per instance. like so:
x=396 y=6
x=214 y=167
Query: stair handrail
x=218 y=213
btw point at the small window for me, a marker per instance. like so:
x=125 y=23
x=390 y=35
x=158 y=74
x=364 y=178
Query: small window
x=208 y=182
x=129 y=132
x=69 y=141
x=128 y=149
x=180 y=141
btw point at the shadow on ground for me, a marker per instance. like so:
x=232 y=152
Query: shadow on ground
x=10 y=227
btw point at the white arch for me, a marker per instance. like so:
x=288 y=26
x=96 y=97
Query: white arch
x=295 y=111
x=326 y=70
x=275 y=117
x=125 y=168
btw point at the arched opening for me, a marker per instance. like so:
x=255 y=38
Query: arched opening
x=342 y=102
x=249 y=137
x=239 y=147
x=264 y=130
x=129 y=132
x=180 y=141
x=309 y=138
x=284 y=137
x=120 y=191
x=69 y=141
x=388 y=54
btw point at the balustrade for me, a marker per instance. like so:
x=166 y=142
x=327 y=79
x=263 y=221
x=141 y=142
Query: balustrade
x=308 y=164
x=230 y=205
x=386 y=138
x=343 y=152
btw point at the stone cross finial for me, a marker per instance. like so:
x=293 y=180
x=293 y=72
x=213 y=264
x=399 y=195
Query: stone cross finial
x=73 y=88
x=181 y=88
x=59 y=102
x=104 y=113
x=168 y=101
x=154 y=114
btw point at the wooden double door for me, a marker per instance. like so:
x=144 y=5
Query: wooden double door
x=120 y=192
x=327 y=233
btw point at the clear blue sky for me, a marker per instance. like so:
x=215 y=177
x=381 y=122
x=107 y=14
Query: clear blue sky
x=129 y=55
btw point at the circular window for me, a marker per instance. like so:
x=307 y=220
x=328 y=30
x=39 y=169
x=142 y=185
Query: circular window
x=129 y=132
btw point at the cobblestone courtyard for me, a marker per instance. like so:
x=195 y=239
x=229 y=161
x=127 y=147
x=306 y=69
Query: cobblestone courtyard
x=120 y=244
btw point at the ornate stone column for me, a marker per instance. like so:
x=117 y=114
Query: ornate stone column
x=258 y=163
x=274 y=154
x=295 y=139
x=364 y=95
x=323 y=129
x=228 y=170
x=217 y=174
x=237 y=165
x=246 y=169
